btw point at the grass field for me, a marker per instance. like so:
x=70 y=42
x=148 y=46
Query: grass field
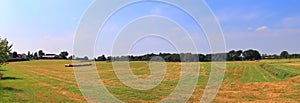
x=247 y=81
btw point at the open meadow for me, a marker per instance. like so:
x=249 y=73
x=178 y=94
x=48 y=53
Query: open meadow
x=244 y=81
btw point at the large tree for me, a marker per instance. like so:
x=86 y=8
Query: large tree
x=251 y=55
x=29 y=55
x=101 y=58
x=41 y=53
x=284 y=54
x=35 y=55
x=85 y=58
x=5 y=49
x=14 y=54
x=64 y=54
x=234 y=55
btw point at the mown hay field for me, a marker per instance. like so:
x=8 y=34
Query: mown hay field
x=244 y=81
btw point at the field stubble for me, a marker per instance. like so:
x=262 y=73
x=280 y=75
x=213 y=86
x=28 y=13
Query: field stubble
x=248 y=81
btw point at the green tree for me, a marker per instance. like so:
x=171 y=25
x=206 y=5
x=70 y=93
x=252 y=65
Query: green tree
x=234 y=55
x=208 y=57
x=41 y=53
x=101 y=58
x=29 y=55
x=71 y=57
x=230 y=55
x=251 y=55
x=85 y=58
x=14 y=54
x=284 y=54
x=201 y=57
x=35 y=55
x=64 y=54
x=5 y=49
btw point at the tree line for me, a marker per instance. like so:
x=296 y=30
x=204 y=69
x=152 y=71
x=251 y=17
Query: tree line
x=190 y=57
x=14 y=56
x=283 y=55
x=233 y=55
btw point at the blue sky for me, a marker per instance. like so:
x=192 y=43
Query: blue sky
x=267 y=25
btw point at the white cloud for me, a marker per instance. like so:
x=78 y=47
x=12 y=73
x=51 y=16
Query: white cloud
x=261 y=28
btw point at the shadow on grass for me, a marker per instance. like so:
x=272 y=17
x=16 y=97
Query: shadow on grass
x=10 y=89
x=2 y=70
x=10 y=78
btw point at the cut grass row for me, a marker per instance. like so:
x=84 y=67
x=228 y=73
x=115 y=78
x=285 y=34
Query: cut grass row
x=254 y=73
x=260 y=71
x=281 y=71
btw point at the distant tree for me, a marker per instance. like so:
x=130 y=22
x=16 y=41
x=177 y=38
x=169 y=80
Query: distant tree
x=175 y=58
x=64 y=54
x=31 y=55
x=284 y=55
x=35 y=55
x=71 y=57
x=208 y=57
x=101 y=58
x=230 y=55
x=294 y=56
x=41 y=53
x=189 y=57
x=28 y=54
x=14 y=54
x=201 y=57
x=86 y=58
x=234 y=55
x=5 y=49
x=109 y=59
x=219 y=57
x=238 y=55
x=167 y=58
x=81 y=58
x=251 y=55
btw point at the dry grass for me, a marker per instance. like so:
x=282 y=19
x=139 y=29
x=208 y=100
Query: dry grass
x=50 y=81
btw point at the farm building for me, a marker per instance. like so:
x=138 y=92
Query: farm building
x=22 y=56
x=18 y=57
